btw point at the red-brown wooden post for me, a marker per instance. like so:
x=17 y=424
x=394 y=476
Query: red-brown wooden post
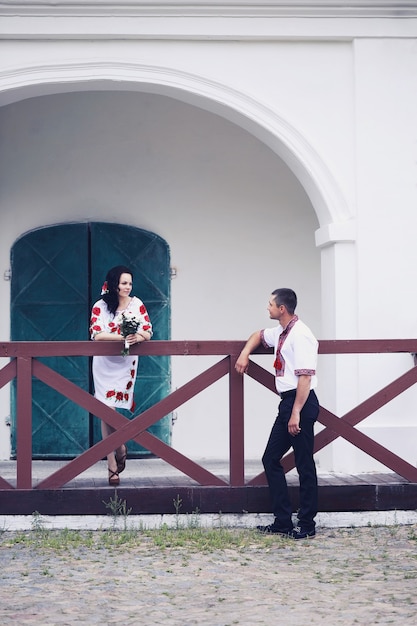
x=236 y=425
x=7 y=374
x=24 y=422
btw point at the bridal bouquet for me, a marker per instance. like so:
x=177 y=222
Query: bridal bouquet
x=128 y=324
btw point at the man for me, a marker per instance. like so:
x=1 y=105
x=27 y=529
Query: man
x=295 y=349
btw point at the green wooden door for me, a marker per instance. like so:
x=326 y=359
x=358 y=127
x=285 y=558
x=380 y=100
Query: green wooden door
x=57 y=273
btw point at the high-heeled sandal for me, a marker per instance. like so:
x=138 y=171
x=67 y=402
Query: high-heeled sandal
x=121 y=461
x=114 y=478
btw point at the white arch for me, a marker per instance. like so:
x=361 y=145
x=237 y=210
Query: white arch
x=336 y=235
x=267 y=125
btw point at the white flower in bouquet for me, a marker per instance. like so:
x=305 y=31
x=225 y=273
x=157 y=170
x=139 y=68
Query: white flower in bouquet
x=129 y=325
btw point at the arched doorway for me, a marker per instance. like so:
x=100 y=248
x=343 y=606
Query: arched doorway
x=57 y=273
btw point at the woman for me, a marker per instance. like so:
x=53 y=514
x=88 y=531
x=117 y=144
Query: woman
x=115 y=376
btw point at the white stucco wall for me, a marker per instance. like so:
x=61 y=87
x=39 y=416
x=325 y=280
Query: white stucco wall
x=242 y=154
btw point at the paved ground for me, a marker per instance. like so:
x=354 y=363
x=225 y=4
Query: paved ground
x=347 y=576
x=357 y=575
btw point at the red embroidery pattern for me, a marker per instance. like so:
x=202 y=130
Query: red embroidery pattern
x=279 y=363
x=114 y=328
x=305 y=372
x=121 y=395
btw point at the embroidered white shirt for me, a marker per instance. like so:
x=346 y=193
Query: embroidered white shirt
x=298 y=355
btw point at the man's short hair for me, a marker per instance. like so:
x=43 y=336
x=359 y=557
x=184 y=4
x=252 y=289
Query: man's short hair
x=287 y=297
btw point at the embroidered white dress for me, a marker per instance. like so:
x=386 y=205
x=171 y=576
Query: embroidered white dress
x=114 y=376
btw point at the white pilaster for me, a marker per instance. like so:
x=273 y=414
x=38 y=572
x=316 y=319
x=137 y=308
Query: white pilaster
x=338 y=374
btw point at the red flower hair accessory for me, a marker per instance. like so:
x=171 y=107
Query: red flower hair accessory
x=104 y=288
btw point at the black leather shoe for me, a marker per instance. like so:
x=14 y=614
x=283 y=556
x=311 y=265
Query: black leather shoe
x=302 y=533
x=272 y=529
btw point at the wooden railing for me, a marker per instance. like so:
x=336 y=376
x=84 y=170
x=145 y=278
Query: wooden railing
x=24 y=364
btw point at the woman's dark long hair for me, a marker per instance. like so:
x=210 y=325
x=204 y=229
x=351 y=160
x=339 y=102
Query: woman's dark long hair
x=112 y=279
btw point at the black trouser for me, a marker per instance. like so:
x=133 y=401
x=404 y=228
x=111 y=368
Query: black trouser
x=280 y=441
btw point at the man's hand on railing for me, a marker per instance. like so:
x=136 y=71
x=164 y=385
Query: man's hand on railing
x=252 y=343
x=242 y=363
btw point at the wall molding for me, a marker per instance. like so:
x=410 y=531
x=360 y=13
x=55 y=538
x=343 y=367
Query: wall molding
x=202 y=19
x=236 y=8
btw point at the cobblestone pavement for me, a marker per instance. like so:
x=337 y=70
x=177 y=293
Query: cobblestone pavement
x=342 y=576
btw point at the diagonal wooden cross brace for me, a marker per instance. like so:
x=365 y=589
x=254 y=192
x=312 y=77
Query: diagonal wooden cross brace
x=130 y=429
x=343 y=427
